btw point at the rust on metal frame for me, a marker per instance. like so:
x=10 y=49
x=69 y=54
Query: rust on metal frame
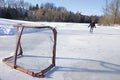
x=19 y=47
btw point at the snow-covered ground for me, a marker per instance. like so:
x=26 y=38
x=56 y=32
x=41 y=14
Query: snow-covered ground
x=80 y=55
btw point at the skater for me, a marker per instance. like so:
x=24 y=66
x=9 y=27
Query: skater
x=92 y=25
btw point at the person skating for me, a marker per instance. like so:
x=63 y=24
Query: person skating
x=92 y=25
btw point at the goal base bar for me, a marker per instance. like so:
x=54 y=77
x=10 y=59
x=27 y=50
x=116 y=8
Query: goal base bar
x=39 y=74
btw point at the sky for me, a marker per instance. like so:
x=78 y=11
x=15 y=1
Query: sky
x=85 y=7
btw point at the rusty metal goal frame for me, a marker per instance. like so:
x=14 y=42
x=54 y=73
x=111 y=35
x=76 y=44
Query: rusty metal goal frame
x=19 y=51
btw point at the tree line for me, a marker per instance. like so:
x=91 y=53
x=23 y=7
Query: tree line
x=49 y=12
x=19 y=9
x=13 y=9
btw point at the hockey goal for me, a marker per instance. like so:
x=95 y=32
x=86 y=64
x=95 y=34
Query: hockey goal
x=35 y=50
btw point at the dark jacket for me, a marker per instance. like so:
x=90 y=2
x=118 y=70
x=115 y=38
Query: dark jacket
x=92 y=25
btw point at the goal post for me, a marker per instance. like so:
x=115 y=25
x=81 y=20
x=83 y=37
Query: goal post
x=35 y=51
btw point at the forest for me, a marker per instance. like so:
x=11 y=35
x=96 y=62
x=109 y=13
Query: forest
x=19 y=9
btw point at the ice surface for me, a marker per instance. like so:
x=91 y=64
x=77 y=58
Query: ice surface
x=80 y=55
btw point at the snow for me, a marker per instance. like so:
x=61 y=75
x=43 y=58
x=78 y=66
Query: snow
x=80 y=55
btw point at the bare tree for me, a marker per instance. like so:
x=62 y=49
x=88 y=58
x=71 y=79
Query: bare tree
x=10 y=3
x=114 y=8
x=111 y=13
x=117 y=8
x=2 y=3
